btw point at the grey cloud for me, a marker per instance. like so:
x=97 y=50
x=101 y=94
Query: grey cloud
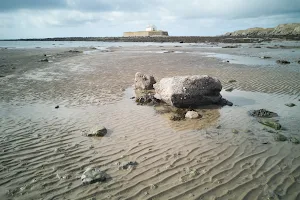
x=10 y=5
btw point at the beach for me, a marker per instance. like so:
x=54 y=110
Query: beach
x=226 y=154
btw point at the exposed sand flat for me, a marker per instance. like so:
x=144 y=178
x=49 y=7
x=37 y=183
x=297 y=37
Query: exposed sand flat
x=44 y=153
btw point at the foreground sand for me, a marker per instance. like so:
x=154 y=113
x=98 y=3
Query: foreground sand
x=43 y=150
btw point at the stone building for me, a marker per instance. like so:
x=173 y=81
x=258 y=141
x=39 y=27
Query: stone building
x=151 y=30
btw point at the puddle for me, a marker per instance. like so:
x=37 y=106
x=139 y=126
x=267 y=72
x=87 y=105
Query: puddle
x=237 y=59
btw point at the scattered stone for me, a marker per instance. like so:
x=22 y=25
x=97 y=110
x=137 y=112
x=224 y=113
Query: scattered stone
x=262 y=113
x=235 y=131
x=189 y=91
x=177 y=117
x=147 y=99
x=271 y=123
x=132 y=97
x=1 y=76
x=98 y=131
x=298 y=61
x=45 y=54
x=92 y=175
x=232 y=81
x=218 y=127
x=128 y=165
x=229 y=89
x=45 y=60
x=144 y=81
x=265 y=57
x=230 y=47
x=257 y=47
x=227 y=61
x=280 y=137
x=75 y=51
x=290 y=104
x=268 y=130
x=192 y=115
x=294 y=140
x=283 y=62
x=56 y=107
x=181 y=42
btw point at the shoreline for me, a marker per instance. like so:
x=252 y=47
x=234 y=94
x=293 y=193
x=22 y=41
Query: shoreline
x=174 y=39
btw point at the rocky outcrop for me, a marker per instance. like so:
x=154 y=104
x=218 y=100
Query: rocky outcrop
x=280 y=30
x=143 y=81
x=189 y=91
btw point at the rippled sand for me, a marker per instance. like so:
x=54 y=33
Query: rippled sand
x=44 y=150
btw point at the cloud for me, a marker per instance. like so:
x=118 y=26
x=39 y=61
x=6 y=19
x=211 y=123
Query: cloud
x=51 y=18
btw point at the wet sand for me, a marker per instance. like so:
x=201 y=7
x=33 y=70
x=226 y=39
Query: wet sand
x=44 y=151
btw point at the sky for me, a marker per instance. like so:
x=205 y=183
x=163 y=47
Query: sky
x=98 y=18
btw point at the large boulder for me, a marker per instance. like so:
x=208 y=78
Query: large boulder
x=189 y=91
x=143 y=81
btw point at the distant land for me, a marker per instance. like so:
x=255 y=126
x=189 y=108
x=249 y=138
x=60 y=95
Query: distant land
x=251 y=35
x=280 y=30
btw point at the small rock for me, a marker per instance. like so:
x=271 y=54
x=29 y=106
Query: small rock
x=92 y=175
x=181 y=42
x=262 y=113
x=232 y=81
x=192 y=115
x=147 y=99
x=176 y=117
x=298 y=61
x=290 y=104
x=132 y=97
x=227 y=61
x=56 y=107
x=265 y=57
x=144 y=81
x=45 y=60
x=128 y=165
x=235 y=131
x=98 y=131
x=229 y=89
x=230 y=47
x=271 y=123
x=294 y=140
x=280 y=137
x=283 y=62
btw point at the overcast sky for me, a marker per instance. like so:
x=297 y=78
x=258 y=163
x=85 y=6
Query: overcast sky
x=67 y=18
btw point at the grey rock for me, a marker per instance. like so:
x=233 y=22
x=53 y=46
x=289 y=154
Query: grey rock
x=290 y=104
x=189 y=91
x=128 y=165
x=192 y=115
x=92 y=175
x=232 y=81
x=282 y=62
x=262 y=113
x=265 y=57
x=270 y=123
x=97 y=131
x=144 y=81
x=147 y=99
x=280 y=137
x=229 y=89
x=45 y=60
